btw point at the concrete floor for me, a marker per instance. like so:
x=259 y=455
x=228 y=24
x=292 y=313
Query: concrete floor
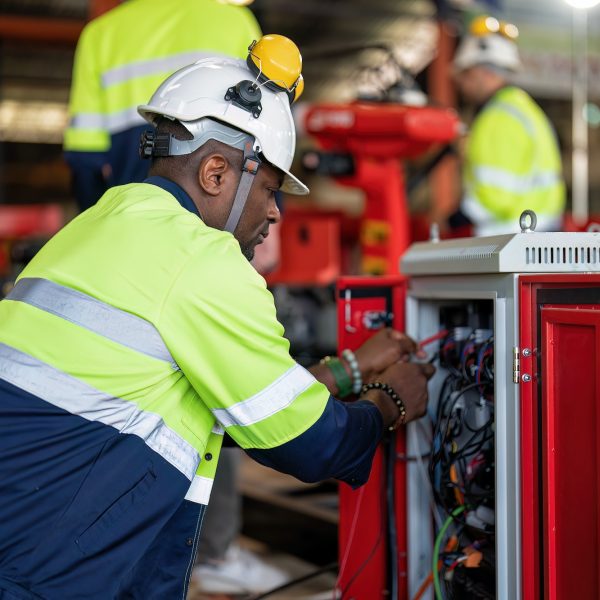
x=318 y=588
x=289 y=504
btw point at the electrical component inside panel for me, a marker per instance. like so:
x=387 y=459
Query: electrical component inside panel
x=461 y=463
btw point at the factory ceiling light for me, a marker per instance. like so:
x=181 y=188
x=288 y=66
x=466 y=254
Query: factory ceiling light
x=582 y=3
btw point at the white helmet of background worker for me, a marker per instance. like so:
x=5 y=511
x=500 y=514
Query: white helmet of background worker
x=245 y=105
x=489 y=42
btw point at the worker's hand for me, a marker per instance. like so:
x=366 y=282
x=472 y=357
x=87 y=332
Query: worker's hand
x=409 y=381
x=385 y=348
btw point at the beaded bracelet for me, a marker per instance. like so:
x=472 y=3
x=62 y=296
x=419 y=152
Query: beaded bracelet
x=340 y=375
x=357 y=381
x=389 y=390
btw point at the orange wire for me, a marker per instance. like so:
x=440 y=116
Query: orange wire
x=428 y=581
x=451 y=545
x=454 y=478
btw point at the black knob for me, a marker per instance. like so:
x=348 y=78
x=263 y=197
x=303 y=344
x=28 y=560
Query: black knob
x=248 y=93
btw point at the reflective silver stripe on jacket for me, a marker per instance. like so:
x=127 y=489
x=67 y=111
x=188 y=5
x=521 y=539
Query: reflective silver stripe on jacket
x=88 y=121
x=487 y=223
x=113 y=323
x=516 y=113
x=152 y=66
x=199 y=491
x=79 y=398
x=111 y=122
x=514 y=183
x=274 y=398
x=217 y=429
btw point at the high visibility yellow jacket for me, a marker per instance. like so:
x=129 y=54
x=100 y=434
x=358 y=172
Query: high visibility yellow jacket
x=512 y=163
x=122 y=363
x=121 y=58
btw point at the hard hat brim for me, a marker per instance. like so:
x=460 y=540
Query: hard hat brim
x=491 y=49
x=292 y=185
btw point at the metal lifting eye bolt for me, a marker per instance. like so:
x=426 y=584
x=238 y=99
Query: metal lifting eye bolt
x=528 y=221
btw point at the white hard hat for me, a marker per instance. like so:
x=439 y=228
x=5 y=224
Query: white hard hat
x=221 y=89
x=492 y=49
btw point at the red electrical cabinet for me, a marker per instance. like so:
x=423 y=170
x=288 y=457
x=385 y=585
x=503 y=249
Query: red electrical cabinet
x=365 y=305
x=529 y=304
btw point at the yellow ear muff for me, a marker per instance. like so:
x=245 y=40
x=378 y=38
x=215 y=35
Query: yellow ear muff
x=484 y=25
x=277 y=59
x=297 y=91
x=508 y=30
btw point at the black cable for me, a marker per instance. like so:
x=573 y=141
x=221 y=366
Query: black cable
x=439 y=409
x=437 y=436
x=466 y=421
x=462 y=453
x=466 y=450
x=445 y=411
x=330 y=567
x=457 y=438
x=457 y=397
x=461 y=393
x=483 y=430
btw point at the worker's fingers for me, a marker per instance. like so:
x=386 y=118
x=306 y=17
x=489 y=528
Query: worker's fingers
x=420 y=354
x=407 y=344
x=386 y=347
x=427 y=369
x=409 y=380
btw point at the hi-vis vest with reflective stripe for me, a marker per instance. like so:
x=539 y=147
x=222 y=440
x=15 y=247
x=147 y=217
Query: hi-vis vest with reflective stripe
x=512 y=163
x=124 y=55
x=159 y=327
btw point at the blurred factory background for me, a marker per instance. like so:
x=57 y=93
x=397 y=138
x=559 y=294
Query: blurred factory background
x=339 y=39
x=368 y=49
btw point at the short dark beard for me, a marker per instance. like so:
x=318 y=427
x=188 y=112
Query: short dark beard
x=248 y=253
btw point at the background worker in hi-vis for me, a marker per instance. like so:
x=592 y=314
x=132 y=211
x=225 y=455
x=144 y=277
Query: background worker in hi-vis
x=511 y=161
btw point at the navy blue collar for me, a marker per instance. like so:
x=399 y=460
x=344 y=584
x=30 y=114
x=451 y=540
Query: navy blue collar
x=175 y=190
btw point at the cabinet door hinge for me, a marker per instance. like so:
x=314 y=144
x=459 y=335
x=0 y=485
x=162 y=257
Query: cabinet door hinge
x=516 y=365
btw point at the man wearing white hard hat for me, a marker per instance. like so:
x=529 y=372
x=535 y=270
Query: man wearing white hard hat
x=511 y=161
x=140 y=334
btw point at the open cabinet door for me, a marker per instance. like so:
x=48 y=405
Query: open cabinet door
x=570 y=447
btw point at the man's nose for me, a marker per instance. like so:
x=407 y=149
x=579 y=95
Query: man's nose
x=274 y=215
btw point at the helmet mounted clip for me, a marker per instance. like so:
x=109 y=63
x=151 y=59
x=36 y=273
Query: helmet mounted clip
x=246 y=95
x=154 y=144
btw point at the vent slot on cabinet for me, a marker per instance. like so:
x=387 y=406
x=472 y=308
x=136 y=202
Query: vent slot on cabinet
x=562 y=255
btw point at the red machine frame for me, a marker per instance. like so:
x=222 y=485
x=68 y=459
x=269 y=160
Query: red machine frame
x=378 y=136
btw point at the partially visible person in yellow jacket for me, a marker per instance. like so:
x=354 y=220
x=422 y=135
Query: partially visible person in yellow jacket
x=121 y=58
x=512 y=160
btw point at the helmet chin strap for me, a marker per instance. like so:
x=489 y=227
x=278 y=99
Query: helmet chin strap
x=249 y=169
x=153 y=144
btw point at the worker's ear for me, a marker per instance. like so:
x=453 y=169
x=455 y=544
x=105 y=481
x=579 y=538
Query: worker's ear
x=215 y=174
